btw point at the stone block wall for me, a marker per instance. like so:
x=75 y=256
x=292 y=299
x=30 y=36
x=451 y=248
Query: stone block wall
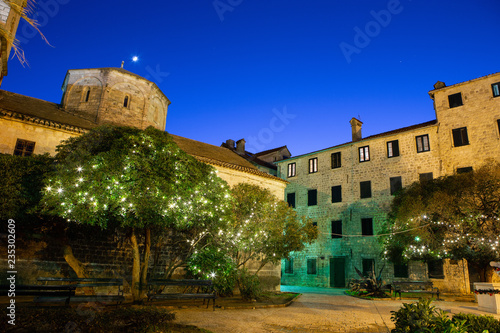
x=145 y=105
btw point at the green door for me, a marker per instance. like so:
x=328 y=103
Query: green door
x=337 y=272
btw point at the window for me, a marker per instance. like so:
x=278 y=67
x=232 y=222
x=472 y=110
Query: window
x=313 y=165
x=367 y=227
x=312 y=197
x=337 y=193
x=455 y=100
x=86 y=94
x=24 y=148
x=423 y=143
x=401 y=270
x=460 y=137
x=435 y=269
x=291 y=170
x=464 y=170
x=368 y=266
x=424 y=177
x=311 y=266
x=337 y=229
x=364 y=154
x=365 y=189
x=126 y=102
x=393 y=148
x=336 y=160
x=496 y=89
x=290 y=198
x=396 y=184
x=289 y=266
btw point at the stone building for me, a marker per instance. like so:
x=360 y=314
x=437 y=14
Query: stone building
x=347 y=189
x=93 y=97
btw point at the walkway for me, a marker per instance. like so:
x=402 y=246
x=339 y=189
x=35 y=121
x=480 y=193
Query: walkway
x=317 y=310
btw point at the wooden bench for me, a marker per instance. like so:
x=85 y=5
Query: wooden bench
x=156 y=290
x=74 y=283
x=54 y=293
x=414 y=287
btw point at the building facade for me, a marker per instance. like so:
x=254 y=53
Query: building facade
x=347 y=189
x=93 y=97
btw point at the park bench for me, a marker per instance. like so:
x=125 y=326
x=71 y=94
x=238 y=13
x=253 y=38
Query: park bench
x=414 y=287
x=74 y=283
x=54 y=293
x=192 y=289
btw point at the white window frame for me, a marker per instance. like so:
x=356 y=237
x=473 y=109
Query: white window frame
x=364 y=153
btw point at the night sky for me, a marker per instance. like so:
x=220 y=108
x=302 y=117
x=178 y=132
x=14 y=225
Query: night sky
x=273 y=72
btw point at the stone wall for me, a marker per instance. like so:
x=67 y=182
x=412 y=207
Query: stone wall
x=46 y=138
x=378 y=170
x=145 y=104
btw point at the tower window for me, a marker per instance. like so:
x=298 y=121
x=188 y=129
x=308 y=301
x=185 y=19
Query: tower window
x=422 y=143
x=460 y=137
x=496 y=89
x=24 y=147
x=455 y=100
x=86 y=94
x=126 y=102
x=393 y=148
x=364 y=153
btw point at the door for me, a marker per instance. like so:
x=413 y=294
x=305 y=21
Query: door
x=337 y=272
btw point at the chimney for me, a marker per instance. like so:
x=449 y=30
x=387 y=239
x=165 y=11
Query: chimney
x=240 y=146
x=230 y=144
x=356 y=129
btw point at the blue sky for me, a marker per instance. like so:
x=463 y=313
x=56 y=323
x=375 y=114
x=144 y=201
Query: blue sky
x=273 y=72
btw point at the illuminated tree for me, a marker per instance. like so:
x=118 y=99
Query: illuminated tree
x=138 y=180
x=454 y=217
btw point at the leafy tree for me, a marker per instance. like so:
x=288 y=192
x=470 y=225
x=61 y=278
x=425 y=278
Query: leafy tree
x=451 y=217
x=265 y=228
x=137 y=180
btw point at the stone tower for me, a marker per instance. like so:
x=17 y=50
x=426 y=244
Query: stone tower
x=114 y=96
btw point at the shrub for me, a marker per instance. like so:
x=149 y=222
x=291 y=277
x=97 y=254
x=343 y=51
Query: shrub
x=419 y=317
x=249 y=285
x=479 y=324
x=210 y=263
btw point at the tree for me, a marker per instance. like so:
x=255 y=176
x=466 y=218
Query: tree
x=450 y=217
x=137 y=180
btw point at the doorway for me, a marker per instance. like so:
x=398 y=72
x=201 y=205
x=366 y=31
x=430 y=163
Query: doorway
x=337 y=272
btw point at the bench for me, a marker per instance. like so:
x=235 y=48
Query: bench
x=414 y=287
x=74 y=283
x=156 y=288
x=55 y=293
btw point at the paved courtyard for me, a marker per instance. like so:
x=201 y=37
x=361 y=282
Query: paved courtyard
x=317 y=310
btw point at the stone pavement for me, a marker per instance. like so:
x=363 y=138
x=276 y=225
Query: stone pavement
x=316 y=310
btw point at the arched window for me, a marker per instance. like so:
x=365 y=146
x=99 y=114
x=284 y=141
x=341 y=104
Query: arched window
x=86 y=94
x=126 y=101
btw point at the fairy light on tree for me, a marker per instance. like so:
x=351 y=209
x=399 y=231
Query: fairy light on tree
x=453 y=217
x=138 y=180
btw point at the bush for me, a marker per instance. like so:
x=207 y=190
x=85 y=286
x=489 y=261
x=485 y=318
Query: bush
x=210 y=263
x=249 y=285
x=422 y=317
x=419 y=317
x=479 y=324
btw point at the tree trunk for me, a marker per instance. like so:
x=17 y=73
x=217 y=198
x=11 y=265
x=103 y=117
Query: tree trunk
x=77 y=266
x=145 y=262
x=136 y=268
x=489 y=271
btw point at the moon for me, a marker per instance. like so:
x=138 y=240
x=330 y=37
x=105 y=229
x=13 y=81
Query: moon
x=135 y=58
